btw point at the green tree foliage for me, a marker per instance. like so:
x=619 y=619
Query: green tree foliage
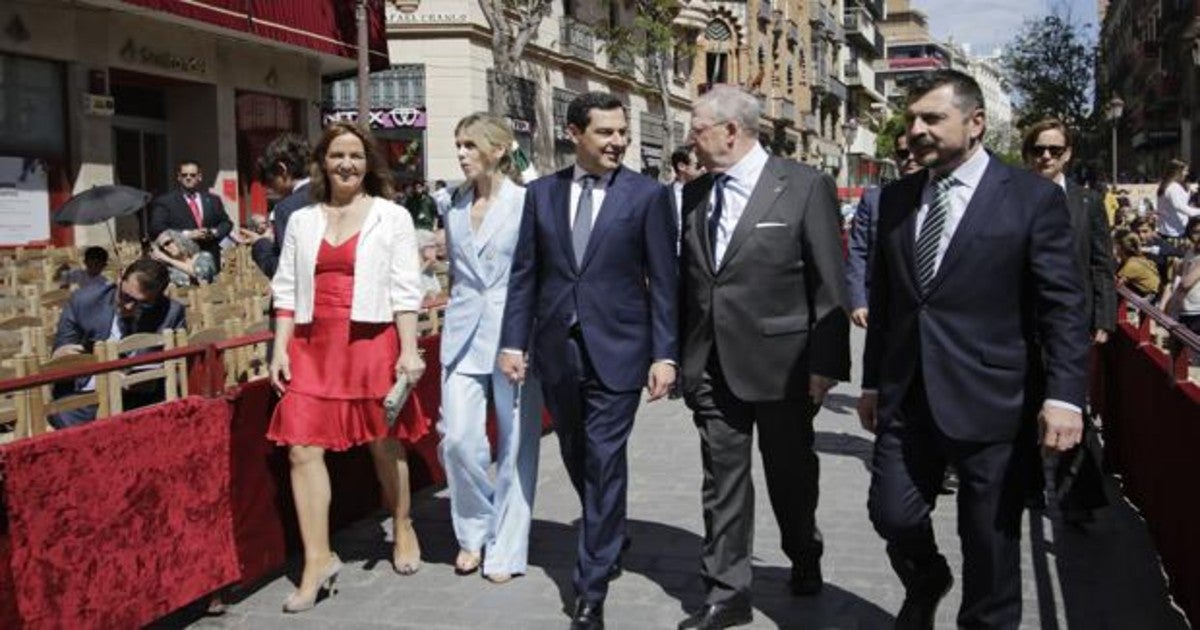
x=1050 y=64
x=884 y=143
x=514 y=23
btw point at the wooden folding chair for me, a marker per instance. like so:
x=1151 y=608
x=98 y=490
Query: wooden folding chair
x=200 y=337
x=39 y=404
x=118 y=381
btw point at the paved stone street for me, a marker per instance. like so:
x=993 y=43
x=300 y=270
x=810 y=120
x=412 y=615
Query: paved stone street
x=1108 y=578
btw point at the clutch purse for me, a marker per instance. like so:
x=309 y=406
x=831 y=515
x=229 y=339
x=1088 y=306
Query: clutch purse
x=395 y=399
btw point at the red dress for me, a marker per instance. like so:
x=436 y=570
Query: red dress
x=341 y=370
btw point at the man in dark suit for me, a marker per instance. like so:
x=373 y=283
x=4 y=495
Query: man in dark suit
x=976 y=337
x=592 y=297
x=99 y=312
x=195 y=212
x=862 y=235
x=764 y=336
x=1047 y=148
x=283 y=169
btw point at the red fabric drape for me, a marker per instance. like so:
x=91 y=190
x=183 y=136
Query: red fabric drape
x=119 y=522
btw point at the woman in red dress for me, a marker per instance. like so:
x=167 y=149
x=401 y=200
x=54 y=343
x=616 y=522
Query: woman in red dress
x=346 y=295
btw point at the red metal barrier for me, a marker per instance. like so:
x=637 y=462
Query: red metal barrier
x=1151 y=416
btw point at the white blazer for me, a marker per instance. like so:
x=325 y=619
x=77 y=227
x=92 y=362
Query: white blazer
x=480 y=262
x=387 y=276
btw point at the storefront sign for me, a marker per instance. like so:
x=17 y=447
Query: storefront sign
x=397 y=16
x=132 y=52
x=24 y=201
x=519 y=126
x=394 y=118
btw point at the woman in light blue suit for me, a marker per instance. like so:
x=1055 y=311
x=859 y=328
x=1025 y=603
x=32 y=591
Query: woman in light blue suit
x=491 y=516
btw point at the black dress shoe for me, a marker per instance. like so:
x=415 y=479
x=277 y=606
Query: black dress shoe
x=588 y=616
x=806 y=579
x=921 y=600
x=716 y=616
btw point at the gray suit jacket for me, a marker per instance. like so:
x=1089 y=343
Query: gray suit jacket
x=775 y=310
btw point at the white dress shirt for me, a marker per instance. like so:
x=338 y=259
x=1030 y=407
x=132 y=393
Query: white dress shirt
x=598 y=188
x=743 y=177
x=966 y=180
x=1174 y=210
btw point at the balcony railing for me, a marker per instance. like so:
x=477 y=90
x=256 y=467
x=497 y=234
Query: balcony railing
x=850 y=71
x=784 y=108
x=837 y=89
x=811 y=123
x=623 y=63
x=764 y=11
x=793 y=33
x=577 y=40
x=860 y=28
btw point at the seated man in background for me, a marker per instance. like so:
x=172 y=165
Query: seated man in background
x=99 y=312
x=95 y=259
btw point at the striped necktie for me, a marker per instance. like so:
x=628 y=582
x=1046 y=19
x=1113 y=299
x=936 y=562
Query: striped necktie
x=931 y=231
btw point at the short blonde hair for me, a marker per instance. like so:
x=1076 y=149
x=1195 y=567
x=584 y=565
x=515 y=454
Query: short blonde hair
x=490 y=132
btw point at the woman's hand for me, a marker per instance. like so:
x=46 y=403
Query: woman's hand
x=158 y=254
x=411 y=365
x=281 y=372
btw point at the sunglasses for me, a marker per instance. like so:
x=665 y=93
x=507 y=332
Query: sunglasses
x=128 y=300
x=189 y=175
x=1056 y=151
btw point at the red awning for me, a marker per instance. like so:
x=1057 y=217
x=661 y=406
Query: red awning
x=325 y=26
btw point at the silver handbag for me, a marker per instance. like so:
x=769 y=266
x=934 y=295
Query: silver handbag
x=395 y=399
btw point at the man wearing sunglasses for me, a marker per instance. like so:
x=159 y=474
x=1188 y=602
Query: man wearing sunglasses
x=1047 y=151
x=195 y=212
x=99 y=312
x=862 y=234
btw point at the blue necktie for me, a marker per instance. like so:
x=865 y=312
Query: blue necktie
x=714 y=218
x=582 y=230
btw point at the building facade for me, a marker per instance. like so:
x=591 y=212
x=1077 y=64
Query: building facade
x=100 y=92
x=867 y=105
x=1149 y=56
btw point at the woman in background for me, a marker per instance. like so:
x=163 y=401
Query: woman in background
x=491 y=518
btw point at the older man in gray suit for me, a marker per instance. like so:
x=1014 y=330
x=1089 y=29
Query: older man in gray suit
x=765 y=335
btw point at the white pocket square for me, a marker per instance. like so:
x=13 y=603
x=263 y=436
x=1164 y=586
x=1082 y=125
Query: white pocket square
x=769 y=224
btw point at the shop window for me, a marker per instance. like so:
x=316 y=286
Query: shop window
x=31 y=107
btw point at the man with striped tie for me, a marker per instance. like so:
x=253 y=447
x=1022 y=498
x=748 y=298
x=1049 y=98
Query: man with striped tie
x=976 y=348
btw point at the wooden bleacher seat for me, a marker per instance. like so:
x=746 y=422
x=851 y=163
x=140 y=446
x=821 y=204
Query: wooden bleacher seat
x=39 y=404
x=118 y=381
x=199 y=337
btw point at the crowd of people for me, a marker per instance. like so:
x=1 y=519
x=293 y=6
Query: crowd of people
x=981 y=287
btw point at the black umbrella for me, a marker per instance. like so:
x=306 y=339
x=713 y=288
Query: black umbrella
x=101 y=203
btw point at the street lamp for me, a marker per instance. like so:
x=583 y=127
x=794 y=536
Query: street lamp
x=1116 y=107
x=850 y=133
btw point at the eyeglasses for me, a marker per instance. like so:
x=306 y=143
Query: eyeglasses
x=124 y=299
x=1056 y=151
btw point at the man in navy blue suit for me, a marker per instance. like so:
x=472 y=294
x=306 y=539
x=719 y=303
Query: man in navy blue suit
x=283 y=169
x=976 y=344
x=592 y=309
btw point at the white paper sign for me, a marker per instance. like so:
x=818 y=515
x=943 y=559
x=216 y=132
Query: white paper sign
x=24 y=201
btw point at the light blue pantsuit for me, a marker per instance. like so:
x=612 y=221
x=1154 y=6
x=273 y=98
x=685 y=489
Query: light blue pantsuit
x=490 y=514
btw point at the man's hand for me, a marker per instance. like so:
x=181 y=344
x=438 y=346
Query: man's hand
x=1061 y=428
x=201 y=234
x=859 y=317
x=67 y=350
x=868 y=406
x=1100 y=337
x=818 y=386
x=660 y=379
x=512 y=365
x=246 y=236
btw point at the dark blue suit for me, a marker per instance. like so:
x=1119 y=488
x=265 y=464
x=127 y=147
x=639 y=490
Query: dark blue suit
x=265 y=252
x=88 y=318
x=960 y=374
x=592 y=331
x=861 y=244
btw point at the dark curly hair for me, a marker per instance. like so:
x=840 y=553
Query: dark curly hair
x=377 y=181
x=289 y=151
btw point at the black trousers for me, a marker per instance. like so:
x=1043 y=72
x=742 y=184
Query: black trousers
x=593 y=425
x=910 y=459
x=785 y=440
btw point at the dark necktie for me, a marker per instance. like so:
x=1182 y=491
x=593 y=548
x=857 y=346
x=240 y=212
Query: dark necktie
x=582 y=230
x=718 y=206
x=931 y=231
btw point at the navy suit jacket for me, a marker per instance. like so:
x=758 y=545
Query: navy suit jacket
x=88 y=317
x=265 y=252
x=1007 y=286
x=623 y=295
x=861 y=244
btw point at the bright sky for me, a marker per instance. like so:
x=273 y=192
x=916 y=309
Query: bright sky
x=986 y=24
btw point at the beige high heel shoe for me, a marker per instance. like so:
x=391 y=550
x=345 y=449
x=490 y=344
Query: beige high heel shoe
x=326 y=582
x=406 y=558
